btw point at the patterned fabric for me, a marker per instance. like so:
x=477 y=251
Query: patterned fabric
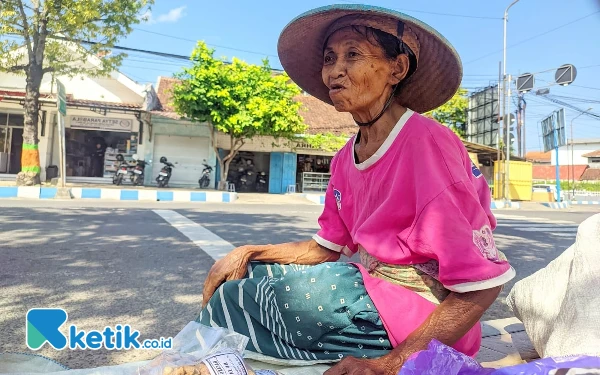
x=420 y=278
x=298 y=312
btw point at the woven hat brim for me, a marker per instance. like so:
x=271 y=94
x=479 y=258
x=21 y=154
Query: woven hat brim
x=435 y=81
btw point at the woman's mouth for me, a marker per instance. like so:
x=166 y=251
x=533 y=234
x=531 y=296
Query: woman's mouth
x=335 y=89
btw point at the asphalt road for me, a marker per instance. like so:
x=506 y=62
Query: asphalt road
x=110 y=262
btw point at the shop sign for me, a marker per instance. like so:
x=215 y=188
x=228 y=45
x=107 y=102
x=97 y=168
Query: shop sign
x=101 y=123
x=304 y=146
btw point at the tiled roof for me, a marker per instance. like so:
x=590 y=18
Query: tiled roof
x=548 y=172
x=164 y=92
x=167 y=114
x=593 y=154
x=538 y=157
x=323 y=118
x=103 y=104
x=320 y=117
x=72 y=101
x=591 y=174
x=22 y=94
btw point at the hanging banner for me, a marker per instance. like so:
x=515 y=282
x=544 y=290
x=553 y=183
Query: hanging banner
x=101 y=123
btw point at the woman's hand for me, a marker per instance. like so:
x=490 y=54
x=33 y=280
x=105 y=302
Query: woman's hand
x=232 y=267
x=386 y=365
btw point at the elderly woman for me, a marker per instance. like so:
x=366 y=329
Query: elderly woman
x=403 y=194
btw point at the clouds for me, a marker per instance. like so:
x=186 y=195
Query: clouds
x=171 y=16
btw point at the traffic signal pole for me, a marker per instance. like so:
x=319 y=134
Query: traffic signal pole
x=506 y=110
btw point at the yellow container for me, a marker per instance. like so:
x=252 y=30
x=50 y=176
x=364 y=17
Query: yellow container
x=520 y=176
x=474 y=158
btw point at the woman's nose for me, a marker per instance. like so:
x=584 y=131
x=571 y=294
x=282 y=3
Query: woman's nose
x=338 y=69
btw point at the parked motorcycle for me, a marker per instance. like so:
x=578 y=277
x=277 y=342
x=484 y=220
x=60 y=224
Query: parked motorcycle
x=245 y=181
x=204 y=181
x=262 y=183
x=137 y=178
x=122 y=170
x=165 y=173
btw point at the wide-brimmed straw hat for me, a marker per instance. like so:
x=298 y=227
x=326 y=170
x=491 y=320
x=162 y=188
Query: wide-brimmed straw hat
x=439 y=69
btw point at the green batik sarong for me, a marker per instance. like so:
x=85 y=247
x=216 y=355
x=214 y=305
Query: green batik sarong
x=298 y=312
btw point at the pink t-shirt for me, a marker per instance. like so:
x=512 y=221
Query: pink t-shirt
x=418 y=199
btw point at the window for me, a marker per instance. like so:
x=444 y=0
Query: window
x=594 y=160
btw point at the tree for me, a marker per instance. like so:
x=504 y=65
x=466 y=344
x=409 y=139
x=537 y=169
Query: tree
x=238 y=99
x=327 y=141
x=453 y=113
x=52 y=33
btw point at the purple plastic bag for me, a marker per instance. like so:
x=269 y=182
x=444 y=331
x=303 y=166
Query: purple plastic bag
x=442 y=359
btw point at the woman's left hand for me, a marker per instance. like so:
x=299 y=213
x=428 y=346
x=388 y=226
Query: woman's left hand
x=386 y=365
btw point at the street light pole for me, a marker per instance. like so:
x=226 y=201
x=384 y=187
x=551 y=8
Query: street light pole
x=573 y=150
x=505 y=114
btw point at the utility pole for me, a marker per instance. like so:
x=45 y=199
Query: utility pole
x=573 y=150
x=500 y=184
x=505 y=112
x=523 y=124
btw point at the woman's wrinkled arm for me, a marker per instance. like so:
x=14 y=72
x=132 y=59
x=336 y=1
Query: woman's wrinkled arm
x=450 y=321
x=306 y=252
x=235 y=264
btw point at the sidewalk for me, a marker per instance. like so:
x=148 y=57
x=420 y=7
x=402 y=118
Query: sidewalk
x=505 y=343
x=119 y=193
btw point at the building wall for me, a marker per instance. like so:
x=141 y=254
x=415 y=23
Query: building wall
x=270 y=144
x=181 y=128
x=564 y=154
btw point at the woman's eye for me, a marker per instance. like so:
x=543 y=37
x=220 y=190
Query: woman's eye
x=352 y=54
x=328 y=59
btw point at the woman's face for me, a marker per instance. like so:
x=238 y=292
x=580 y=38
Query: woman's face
x=357 y=72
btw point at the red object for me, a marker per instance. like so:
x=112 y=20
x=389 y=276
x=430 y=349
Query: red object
x=548 y=172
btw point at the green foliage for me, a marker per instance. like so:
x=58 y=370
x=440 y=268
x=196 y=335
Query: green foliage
x=568 y=185
x=453 y=113
x=326 y=142
x=239 y=99
x=48 y=26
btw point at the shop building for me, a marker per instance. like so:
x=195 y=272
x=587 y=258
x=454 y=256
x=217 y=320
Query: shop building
x=186 y=144
x=281 y=164
x=290 y=165
x=104 y=117
x=92 y=140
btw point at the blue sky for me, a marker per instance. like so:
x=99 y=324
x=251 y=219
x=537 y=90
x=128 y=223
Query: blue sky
x=542 y=35
x=255 y=26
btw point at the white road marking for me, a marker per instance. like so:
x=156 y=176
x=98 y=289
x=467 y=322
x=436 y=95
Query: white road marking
x=206 y=240
x=517 y=225
x=554 y=228
x=547 y=230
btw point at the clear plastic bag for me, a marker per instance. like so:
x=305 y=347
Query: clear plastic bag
x=201 y=350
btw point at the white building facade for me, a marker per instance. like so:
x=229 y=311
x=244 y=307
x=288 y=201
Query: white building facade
x=573 y=154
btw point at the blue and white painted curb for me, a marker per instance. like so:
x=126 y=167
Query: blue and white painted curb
x=557 y=205
x=315 y=198
x=585 y=202
x=120 y=194
x=499 y=205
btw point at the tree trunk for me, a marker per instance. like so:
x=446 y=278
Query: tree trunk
x=224 y=163
x=30 y=157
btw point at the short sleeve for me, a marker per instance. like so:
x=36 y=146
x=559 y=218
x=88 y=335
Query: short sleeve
x=454 y=229
x=333 y=234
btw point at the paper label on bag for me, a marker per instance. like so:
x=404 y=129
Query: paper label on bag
x=227 y=363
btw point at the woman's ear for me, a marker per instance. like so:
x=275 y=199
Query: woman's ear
x=400 y=68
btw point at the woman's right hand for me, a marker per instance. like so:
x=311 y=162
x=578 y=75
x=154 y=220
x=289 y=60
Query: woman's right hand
x=232 y=267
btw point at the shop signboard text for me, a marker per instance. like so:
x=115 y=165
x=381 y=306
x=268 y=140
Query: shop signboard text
x=101 y=123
